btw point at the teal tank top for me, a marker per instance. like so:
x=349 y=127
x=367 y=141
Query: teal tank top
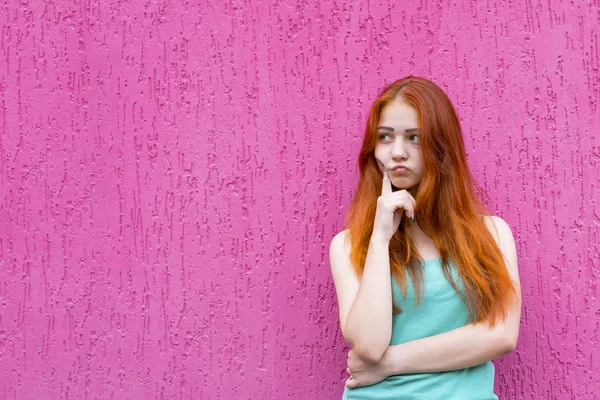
x=441 y=310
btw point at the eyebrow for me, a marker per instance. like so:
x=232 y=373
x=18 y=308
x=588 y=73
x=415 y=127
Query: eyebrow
x=389 y=128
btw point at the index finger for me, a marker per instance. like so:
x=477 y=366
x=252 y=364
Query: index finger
x=386 y=186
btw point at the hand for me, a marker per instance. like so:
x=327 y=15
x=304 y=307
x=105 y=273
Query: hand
x=390 y=208
x=363 y=373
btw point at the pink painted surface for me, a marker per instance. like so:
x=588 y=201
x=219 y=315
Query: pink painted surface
x=171 y=175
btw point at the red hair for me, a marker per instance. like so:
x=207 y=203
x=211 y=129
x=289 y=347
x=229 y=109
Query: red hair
x=448 y=208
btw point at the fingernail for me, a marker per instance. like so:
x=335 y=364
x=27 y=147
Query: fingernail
x=385 y=174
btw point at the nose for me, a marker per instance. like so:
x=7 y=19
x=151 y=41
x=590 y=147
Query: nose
x=399 y=149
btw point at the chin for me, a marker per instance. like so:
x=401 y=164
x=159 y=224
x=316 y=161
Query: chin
x=402 y=185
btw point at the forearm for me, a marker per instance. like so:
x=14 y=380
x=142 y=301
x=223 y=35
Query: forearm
x=460 y=348
x=369 y=323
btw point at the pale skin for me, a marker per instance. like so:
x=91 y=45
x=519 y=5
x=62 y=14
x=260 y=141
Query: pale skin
x=365 y=304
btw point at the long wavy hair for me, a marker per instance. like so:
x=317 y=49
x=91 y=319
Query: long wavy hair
x=448 y=208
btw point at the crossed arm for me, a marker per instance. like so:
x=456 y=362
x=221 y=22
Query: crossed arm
x=463 y=347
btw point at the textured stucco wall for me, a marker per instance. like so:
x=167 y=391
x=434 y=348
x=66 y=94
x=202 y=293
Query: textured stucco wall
x=171 y=174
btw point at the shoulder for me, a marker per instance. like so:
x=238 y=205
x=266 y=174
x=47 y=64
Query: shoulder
x=505 y=240
x=498 y=228
x=340 y=238
x=339 y=249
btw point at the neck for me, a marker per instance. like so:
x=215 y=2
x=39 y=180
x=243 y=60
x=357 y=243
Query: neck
x=413 y=191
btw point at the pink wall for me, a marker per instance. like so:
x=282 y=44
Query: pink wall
x=171 y=176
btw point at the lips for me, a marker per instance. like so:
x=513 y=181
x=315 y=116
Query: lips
x=400 y=169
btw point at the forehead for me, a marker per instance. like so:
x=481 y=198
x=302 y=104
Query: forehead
x=397 y=113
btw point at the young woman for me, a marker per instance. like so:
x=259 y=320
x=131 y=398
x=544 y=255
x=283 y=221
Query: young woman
x=426 y=281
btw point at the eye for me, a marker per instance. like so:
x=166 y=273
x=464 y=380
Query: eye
x=414 y=138
x=384 y=137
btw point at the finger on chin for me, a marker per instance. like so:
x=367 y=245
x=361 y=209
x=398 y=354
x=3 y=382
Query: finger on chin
x=386 y=187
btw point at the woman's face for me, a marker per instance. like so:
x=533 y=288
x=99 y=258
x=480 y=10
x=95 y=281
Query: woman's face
x=398 y=149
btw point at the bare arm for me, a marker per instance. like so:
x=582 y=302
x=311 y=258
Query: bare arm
x=471 y=344
x=460 y=348
x=365 y=307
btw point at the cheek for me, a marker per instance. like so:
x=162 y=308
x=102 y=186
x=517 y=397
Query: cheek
x=380 y=157
x=418 y=159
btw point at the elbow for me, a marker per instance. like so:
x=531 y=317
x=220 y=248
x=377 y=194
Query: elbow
x=368 y=349
x=370 y=354
x=504 y=339
x=509 y=344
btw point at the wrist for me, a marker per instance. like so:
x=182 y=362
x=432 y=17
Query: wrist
x=378 y=239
